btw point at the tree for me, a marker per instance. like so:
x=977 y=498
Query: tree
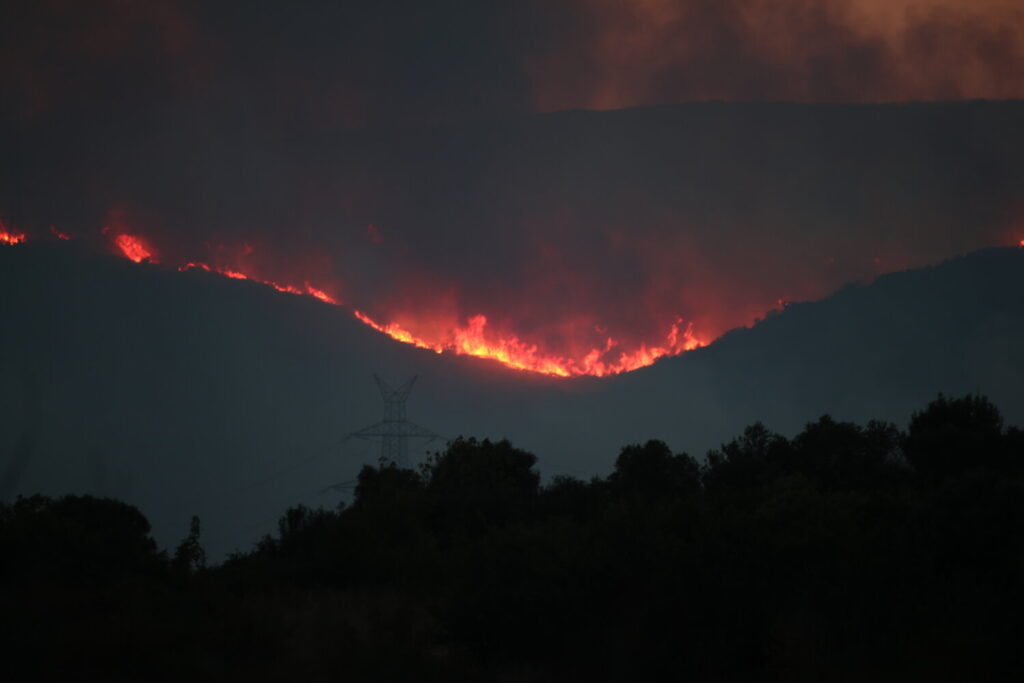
x=845 y=456
x=653 y=471
x=76 y=539
x=190 y=555
x=953 y=435
x=482 y=482
x=752 y=460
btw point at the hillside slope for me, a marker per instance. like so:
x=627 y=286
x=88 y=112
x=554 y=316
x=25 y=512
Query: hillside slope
x=187 y=393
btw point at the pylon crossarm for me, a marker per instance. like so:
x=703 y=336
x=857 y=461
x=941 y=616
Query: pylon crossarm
x=402 y=392
x=394 y=430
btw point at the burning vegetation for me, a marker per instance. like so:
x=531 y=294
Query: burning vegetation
x=531 y=333
x=474 y=337
x=9 y=236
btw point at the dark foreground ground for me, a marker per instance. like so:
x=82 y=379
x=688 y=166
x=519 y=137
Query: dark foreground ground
x=847 y=553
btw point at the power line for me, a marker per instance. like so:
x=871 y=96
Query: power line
x=395 y=430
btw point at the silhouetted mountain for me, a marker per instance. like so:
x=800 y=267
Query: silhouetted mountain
x=187 y=393
x=867 y=351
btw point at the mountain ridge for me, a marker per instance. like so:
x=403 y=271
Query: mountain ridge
x=187 y=393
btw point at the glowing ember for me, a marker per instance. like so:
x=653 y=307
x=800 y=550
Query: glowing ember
x=134 y=248
x=8 y=236
x=58 y=234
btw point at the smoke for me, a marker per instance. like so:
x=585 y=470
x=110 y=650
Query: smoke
x=111 y=53
x=608 y=54
x=567 y=233
x=346 y=65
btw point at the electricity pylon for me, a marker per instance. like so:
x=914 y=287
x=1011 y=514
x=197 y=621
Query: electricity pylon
x=394 y=431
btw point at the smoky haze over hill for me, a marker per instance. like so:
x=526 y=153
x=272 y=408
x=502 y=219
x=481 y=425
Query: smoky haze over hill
x=562 y=229
x=186 y=393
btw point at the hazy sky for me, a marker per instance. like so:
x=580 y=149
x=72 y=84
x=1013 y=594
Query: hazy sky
x=344 y=64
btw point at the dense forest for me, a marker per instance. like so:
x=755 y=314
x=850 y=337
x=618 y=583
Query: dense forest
x=846 y=553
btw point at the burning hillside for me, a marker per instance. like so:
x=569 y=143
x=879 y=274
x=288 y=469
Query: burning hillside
x=574 y=244
x=442 y=335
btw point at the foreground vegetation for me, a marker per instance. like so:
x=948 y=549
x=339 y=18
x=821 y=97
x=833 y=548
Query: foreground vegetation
x=847 y=553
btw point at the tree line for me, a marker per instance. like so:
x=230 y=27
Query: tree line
x=847 y=553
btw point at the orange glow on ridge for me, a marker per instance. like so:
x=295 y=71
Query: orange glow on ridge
x=512 y=352
x=473 y=338
x=134 y=248
x=58 y=234
x=9 y=236
x=308 y=289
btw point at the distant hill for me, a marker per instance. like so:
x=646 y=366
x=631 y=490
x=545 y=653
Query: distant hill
x=188 y=393
x=877 y=350
x=713 y=211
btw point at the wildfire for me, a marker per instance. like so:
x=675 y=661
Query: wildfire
x=8 y=236
x=134 y=248
x=395 y=331
x=58 y=234
x=320 y=294
x=307 y=288
x=473 y=338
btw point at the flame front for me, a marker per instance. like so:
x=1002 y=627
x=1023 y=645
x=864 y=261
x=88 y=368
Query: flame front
x=473 y=338
x=9 y=236
x=307 y=289
x=134 y=249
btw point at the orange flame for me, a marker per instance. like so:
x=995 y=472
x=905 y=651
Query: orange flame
x=512 y=352
x=320 y=294
x=8 y=236
x=308 y=289
x=395 y=331
x=58 y=234
x=134 y=248
x=472 y=339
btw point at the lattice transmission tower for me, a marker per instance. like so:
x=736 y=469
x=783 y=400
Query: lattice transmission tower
x=395 y=430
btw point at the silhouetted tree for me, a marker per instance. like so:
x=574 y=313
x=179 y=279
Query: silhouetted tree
x=953 y=435
x=76 y=538
x=752 y=460
x=388 y=484
x=844 y=456
x=653 y=471
x=190 y=556
x=821 y=557
x=474 y=484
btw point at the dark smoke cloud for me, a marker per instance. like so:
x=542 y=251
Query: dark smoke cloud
x=352 y=64
x=607 y=54
x=110 y=53
x=328 y=65
x=556 y=226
